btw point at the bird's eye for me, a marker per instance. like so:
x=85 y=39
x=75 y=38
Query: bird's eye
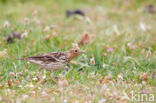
x=75 y=51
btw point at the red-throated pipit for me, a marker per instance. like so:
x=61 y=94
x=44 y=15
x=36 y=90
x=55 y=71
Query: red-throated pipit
x=54 y=60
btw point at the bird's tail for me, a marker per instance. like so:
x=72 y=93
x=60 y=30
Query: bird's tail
x=20 y=58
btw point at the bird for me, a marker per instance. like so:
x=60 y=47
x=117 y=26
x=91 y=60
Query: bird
x=74 y=12
x=14 y=35
x=54 y=60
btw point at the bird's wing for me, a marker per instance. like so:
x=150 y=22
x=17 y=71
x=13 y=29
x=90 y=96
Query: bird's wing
x=52 y=57
x=58 y=55
x=43 y=58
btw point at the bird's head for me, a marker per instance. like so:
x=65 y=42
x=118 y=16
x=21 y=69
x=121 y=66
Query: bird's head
x=74 y=52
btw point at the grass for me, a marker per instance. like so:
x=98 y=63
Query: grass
x=118 y=25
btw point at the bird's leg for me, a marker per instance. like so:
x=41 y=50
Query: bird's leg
x=52 y=77
x=40 y=70
x=39 y=75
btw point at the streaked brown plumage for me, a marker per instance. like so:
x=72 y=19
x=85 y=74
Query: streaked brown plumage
x=54 y=60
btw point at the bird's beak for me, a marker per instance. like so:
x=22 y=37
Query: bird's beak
x=82 y=51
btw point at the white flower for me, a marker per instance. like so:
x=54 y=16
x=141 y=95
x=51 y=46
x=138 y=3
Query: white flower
x=65 y=100
x=44 y=76
x=6 y=24
x=63 y=83
x=75 y=45
x=46 y=29
x=32 y=92
x=76 y=101
x=31 y=85
x=104 y=65
x=143 y=82
x=52 y=26
x=26 y=21
x=104 y=88
x=54 y=33
x=142 y=26
x=52 y=100
x=20 y=86
x=35 y=12
x=44 y=93
x=18 y=100
x=102 y=101
x=25 y=34
x=39 y=88
x=34 y=78
x=25 y=96
x=38 y=22
x=120 y=77
x=12 y=74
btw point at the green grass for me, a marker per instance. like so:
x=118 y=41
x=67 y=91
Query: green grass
x=114 y=23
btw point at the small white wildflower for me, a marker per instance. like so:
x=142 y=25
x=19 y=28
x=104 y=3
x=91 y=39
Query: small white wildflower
x=20 y=86
x=26 y=21
x=25 y=34
x=63 y=83
x=110 y=50
x=142 y=26
x=18 y=100
x=11 y=74
x=39 y=88
x=25 y=96
x=46 y=29
x=102 y=101
x=26 y=85
x=35 y=12
x=38 y=22
x=114 y=93
x=105 y=54
x=104 y=65
x=104 y=87
x=92 y=75
x=44 y=93
x=65 y=100
x=32 y=92
x=61 y=89
x=75 y=45
x=129 y=44
x=31 y=85
x=76 y=101
x=6 y=24
x=52 y=26
x=61 y=76
x=34 y=78
x=44 y=76
x=8 y=90
x=109 y=76
x=143 y=82
x=88 y=20
x=116 y=29
x=54 y=33
x=52 y=100
x=120 y=77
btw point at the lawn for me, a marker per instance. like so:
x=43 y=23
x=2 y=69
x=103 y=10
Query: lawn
x=119 y=65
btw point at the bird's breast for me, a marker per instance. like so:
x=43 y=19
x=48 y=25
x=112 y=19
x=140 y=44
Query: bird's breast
x=54 y=66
